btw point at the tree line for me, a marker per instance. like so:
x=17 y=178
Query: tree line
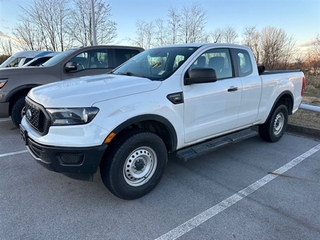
x=59 y=24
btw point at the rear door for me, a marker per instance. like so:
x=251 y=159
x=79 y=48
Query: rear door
x=212 y=108
x=251 y=84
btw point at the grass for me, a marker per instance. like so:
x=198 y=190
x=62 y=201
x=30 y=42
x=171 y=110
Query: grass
x=307 y=118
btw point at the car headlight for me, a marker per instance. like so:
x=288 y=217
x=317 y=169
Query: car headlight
x=72 y=116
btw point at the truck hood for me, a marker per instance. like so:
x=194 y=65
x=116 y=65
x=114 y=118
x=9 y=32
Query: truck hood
x=13 y=71
x=85 y=91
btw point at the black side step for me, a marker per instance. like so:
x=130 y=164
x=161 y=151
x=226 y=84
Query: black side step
x=211 y=145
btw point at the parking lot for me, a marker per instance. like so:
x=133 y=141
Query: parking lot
x=249 y=190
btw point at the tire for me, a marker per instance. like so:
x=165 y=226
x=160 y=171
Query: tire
x=135 y=165
x=17 y=111
x=274 y=128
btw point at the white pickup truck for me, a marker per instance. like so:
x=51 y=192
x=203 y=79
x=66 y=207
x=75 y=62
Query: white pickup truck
x=186 y=99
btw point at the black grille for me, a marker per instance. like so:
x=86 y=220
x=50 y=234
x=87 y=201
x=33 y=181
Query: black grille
x=37 y=117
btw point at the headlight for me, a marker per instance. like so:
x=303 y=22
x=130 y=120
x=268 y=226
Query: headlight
x=72 y=116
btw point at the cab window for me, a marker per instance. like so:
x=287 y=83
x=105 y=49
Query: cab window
x=217 y=59
x=243 y=62
x=91 y=59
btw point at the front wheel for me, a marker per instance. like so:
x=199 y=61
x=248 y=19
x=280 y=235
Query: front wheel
x=276 y=125
x=135 y=165
x=17 y=111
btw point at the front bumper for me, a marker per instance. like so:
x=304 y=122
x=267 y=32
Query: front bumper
x=75 y=162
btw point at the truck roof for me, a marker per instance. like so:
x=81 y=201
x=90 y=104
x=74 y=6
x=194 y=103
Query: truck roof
x=205 y=44
x=111 y=46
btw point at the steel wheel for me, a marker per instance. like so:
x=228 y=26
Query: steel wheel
x=273 y=129
x=278 y=123
x=134 y=164
x=140 y=166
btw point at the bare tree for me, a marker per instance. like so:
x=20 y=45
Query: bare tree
x=174 y=23
x=6 y=46
x=313 y=57
x=276 y=47
x=27 y=35
x=186 y=26
x=251 y=38
x=216 y=35
x=53 y=25
x=80 y=27
x=224 y=35
x=161 y=34
x=41 y=24
x=289 y=50
x=193 y=20
x=145 y=34
x=229 y=35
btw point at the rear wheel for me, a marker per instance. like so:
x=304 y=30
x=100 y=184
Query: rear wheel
x=276 y=125
x=135 y=165
x=17 y=111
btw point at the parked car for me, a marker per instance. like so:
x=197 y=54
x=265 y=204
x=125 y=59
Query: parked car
x=185 y=99
x=21 y=58
x=15 y=83
x=38 y=61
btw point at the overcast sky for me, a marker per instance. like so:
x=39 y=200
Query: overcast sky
x=299 y=18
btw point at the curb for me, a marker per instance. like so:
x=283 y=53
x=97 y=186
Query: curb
x=309 y=131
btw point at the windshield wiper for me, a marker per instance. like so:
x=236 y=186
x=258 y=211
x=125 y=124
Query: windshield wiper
x=129 y=74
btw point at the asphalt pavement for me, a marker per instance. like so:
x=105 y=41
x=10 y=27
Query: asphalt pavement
x=249 y=190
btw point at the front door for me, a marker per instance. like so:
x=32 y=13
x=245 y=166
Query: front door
x=212 y=108
x=89 y=62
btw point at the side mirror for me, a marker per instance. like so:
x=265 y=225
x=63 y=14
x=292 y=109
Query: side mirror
x=201 y=75
x=71 y=66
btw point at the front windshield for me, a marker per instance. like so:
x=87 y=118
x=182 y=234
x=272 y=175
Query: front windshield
x=57 y=58
x=157 y=63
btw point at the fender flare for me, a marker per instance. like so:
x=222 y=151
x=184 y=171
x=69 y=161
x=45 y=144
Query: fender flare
x=277 y=100
x=151 y=117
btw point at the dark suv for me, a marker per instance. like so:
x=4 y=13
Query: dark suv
x=15 y=83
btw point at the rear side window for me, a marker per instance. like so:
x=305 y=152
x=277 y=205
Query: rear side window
x=99 y=59
x=244 y=62
x=122 y=55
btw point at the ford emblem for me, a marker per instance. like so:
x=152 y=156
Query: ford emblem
x=29 y=114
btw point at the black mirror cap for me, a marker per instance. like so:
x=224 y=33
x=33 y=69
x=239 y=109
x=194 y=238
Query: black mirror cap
x=71 y=66
x=201 y=75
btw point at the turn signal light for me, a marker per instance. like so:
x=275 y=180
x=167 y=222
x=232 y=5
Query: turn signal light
x=3 y=81
x=109 y=138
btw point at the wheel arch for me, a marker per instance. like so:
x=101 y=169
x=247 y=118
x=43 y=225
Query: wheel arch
x=285 y=98
x=18 y=92
x=153 y=123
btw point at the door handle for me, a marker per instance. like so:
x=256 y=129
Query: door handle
x=233 y=89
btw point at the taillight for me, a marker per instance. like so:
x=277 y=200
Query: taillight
x=303 y=85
